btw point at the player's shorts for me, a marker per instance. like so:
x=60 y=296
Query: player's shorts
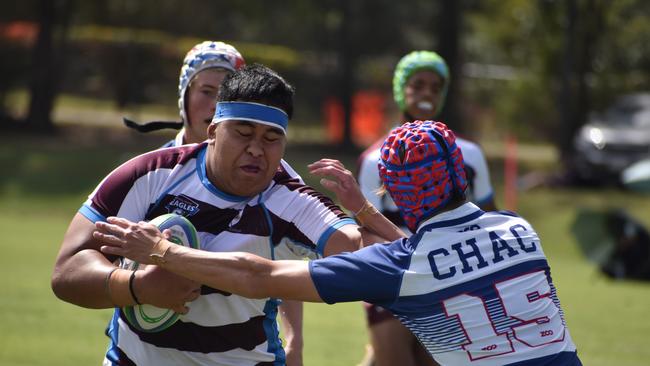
x=375 y=314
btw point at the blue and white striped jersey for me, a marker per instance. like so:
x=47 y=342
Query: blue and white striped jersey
x=473 y=286
x=288 y=220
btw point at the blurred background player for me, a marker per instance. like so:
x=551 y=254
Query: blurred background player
x=204 y=68
x=420 y=85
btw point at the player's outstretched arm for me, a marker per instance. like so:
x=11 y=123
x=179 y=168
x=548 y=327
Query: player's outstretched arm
x=347 y=190
x=244 y=274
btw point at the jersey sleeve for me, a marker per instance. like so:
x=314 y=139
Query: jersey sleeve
x=306 y=217
x=482 y=187
x=372 y=274
x=368 y=178
x=116 y=196
x=128 y=190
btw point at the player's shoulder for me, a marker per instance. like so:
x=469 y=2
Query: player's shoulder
x=472 y=151
x=507 y=217
x=286 y=175
x=367 y=161
x=466 y=144
x=174 y=155
x=372 y=152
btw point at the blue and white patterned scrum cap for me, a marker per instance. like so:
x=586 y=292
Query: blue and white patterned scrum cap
x=205 y=55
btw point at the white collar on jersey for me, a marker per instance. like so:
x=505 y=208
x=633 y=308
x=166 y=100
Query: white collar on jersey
x=463 y=213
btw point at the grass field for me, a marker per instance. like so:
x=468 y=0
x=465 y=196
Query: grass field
x=44 y=181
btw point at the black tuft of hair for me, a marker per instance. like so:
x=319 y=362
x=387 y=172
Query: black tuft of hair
x=258 y=83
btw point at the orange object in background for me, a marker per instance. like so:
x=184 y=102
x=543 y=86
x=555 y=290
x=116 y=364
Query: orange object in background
x=368 y=120
x=20 y=32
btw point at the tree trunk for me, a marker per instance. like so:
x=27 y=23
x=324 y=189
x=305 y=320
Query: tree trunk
x=347 y=63
x=584 y=25
x=448 y=30
x=46 y=63
x=566 y=94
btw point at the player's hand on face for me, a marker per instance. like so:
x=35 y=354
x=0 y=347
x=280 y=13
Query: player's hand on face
x=336 y=178
x=127 y=239
x=161 y=288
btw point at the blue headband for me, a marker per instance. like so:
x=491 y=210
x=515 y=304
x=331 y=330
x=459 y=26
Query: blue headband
x=253 y=112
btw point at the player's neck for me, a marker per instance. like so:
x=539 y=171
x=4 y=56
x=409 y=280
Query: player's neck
x=448 y=207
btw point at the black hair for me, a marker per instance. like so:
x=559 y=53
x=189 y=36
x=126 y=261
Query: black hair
x=258 y=83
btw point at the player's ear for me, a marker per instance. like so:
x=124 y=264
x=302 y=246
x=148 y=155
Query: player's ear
x=212 y=127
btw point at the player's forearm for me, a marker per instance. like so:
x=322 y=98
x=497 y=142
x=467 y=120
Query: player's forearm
x=371 y=219
x=238 y=273
x=242 y=273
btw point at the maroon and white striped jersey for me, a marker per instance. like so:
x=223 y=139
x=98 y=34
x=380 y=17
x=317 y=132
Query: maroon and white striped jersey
x=288 y=220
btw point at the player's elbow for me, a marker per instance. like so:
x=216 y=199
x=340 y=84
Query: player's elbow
x=370 y=237
x=67 y=281
x=355 y=240
x=60 y=285
x=55 y=283
x=345 y=239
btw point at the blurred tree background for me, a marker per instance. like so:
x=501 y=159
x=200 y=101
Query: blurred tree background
x=534 y=69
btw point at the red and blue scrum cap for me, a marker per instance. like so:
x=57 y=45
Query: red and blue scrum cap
x=422 y=168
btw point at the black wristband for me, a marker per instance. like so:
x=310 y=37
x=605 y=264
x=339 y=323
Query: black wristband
x=131 y=288
x=107 y=284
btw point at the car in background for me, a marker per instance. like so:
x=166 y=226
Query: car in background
x=614 y=140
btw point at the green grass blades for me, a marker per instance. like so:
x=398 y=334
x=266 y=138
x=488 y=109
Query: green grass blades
x=37 y=328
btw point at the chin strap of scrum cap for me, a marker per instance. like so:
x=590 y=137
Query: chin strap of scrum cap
x=152 y=126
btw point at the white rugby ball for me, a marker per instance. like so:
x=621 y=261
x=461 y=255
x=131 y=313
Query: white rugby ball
x=148 y=318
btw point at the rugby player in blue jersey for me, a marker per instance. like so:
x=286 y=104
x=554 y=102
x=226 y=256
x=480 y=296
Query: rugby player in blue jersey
x=473 y=286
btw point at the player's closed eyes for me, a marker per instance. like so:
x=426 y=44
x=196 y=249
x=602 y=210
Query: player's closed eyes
x=273 y=137
x=244 y=132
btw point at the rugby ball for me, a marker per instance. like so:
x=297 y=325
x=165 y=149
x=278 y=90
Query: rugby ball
x=148 y=318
